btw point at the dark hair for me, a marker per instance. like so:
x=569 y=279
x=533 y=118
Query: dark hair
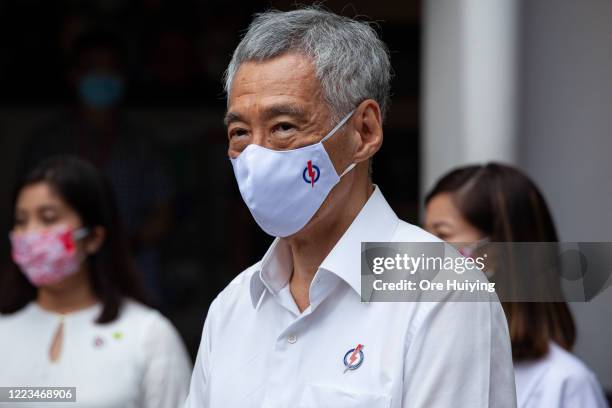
x=506 y=206
x=111 y=271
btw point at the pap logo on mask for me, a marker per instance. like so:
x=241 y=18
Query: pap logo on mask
x=311 y=173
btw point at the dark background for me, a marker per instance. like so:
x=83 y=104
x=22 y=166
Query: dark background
x=176 y=52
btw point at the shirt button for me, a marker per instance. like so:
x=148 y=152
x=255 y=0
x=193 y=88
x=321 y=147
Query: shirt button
x=292 y=339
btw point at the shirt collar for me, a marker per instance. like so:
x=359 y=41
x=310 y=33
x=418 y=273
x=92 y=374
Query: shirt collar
x=273 y=271
x=376 y=222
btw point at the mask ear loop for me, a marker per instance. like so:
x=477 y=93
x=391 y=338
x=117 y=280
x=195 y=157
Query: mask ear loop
x=80 y=233
x=349 y=168
x=338 y=126
x=334 y=130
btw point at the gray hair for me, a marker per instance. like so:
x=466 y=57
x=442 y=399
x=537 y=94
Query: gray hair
x=351 y=62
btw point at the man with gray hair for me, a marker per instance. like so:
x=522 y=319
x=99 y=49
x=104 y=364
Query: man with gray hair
x=307 y=92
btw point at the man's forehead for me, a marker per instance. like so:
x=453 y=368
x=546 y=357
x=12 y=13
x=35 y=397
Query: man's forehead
x=269 y=108
x=290 y=74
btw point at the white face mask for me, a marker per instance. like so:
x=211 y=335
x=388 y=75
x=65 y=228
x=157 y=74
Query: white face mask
x=285 y=188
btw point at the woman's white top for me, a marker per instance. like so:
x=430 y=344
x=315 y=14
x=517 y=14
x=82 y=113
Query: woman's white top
x=558 y=380
x=138 y=360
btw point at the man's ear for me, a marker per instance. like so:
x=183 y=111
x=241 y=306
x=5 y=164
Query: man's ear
x=367 y=122
x=94 y=240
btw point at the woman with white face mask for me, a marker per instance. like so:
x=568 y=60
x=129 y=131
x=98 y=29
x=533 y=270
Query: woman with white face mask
x=474 y=205
x=72 y=309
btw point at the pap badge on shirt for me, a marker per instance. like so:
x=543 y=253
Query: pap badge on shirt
x=353 y=358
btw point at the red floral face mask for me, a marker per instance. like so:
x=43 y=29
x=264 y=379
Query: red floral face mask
x=48 y=256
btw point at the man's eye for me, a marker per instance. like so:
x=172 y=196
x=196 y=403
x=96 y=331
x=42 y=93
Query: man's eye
x=284 y=127
x=237 y=132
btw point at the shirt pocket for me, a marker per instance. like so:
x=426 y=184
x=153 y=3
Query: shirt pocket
x=323 y=396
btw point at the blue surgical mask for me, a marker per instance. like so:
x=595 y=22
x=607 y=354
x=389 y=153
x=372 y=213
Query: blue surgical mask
x=101 y=90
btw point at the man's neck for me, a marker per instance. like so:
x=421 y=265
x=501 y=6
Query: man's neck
x=310 y=248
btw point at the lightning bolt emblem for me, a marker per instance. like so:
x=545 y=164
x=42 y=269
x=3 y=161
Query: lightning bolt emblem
x=353 y=357
x=311 y=173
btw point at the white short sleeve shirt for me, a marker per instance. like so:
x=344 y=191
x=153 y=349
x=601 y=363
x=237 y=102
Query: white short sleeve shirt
x=258 y=350
x=136 y=361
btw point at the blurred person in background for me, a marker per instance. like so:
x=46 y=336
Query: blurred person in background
x=497 y=203
x=73 y=310
x=97 y=129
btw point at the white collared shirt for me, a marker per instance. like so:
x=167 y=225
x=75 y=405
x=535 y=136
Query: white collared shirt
x=258 y=350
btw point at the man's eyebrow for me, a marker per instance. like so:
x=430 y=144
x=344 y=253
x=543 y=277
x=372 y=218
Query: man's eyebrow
x=284 y=109
x=270 y=112
x=231 y=117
